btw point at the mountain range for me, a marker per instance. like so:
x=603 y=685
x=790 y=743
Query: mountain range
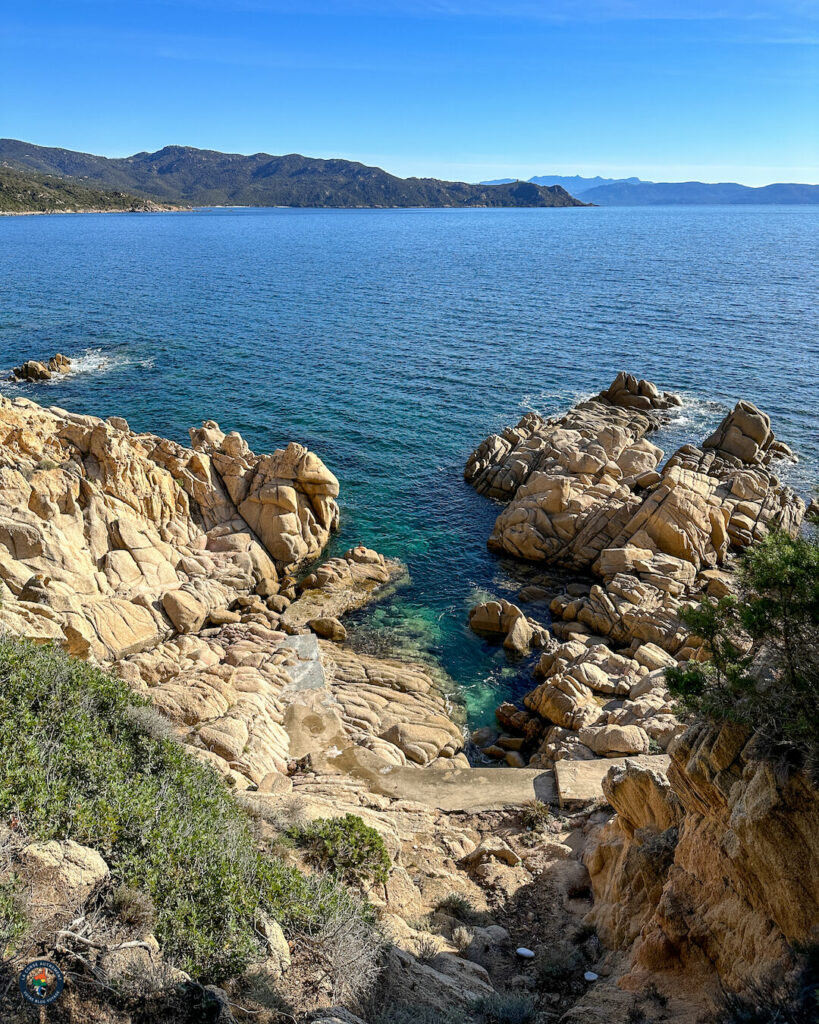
x=635 y=192
x=698 y=193
x=202 y=177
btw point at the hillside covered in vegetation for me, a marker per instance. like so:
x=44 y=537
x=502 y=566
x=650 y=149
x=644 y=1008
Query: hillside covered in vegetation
x=205 y=177
x=26 y=192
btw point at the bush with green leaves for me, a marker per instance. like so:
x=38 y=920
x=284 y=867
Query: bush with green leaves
x=344 y=846
x=764 y=648
x=78 y=763
x=13 y=921
x=535 y=815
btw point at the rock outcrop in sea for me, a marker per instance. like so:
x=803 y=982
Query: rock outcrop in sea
x=33 y=370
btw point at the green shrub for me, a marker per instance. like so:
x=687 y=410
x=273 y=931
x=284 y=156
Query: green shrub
x=463 y=909
x=133 y=907
x=344 y=846
x=427 y=948
x=13 y=923
x=536 y=815
x=558 y=967
x=764 y=648
x=78 y=764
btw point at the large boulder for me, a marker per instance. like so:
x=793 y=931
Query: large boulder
x=630 y=393
x=742 y=891
x=502 y=619
x=614 y=740
x=59 y=876
x=745 y=433
x=32 y=370
x=629 y=857
x=591 y=439
x=287 y=498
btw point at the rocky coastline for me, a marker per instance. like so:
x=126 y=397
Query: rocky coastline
x=585 y=492
x=592 y=814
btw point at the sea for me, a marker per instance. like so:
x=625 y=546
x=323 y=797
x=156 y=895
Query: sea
x=392 y=342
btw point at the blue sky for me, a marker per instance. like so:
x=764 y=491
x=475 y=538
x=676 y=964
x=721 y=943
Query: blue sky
x=665 y=89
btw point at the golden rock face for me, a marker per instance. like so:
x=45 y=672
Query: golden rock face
x=134 y=537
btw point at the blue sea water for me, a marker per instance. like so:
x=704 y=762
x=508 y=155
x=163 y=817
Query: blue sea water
x=393 y=341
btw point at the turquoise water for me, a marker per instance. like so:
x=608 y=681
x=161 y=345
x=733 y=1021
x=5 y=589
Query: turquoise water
x=392 y=342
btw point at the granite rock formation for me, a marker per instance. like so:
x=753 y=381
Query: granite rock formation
x=112 y=541
x=177 y=567
x=502 y=619
x=33 y=370
x=711 y=874
x=587 y=492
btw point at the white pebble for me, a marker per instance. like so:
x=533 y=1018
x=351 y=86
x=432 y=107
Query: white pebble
x=591 y=976
x=527 y=954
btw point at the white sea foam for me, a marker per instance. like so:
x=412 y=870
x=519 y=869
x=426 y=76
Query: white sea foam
x=98 y=361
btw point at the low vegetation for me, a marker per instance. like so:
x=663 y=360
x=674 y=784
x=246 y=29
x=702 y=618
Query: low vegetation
x=24 y=192
x=535 y=815
x=346 y=847
x=79 y=763
x=764 y=646
x=13 y=922
x=559 y=968
x=793 y=999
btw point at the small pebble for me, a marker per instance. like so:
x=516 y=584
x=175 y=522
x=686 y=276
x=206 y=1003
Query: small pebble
x=591 y=976
x=527 y=954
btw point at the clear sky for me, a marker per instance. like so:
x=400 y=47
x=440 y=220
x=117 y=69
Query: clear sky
x=666 y=89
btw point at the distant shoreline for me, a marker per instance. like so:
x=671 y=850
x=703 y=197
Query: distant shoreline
x=48 y=213
x=352 y=209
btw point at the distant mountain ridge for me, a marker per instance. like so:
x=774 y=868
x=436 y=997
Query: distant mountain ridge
x=574 y=183
x=578 y=185
x=182 y=174
x=698 y=193
x=635 y=192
